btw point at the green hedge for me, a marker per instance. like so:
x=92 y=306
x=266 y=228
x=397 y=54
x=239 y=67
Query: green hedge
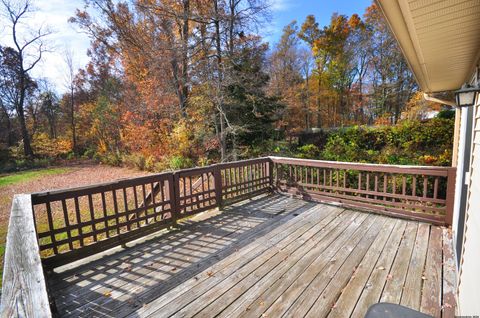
x=410 y=142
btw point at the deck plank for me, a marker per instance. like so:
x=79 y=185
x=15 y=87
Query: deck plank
x=313 y=283
x=277 y=256
x=449 y=278
x=262 y=277
x=344 y=305
x=263 y=245
x=176 y=255
x=412 y=289
x=326 y=301
x=432 y=287
x=378 y=277
x=195 y=299
x=284 y=290
x=392 y=292
x=286 y=274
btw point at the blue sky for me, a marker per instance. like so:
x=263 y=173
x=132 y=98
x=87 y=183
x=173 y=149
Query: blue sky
x=285 y=11
x=55 y=14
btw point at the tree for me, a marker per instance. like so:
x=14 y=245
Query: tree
x=50 y=108
x=25 y=55
x=313 y=35
x=306 y=66
x=8 y=90
x=286 y=77
x=250 y=110
x=392 y=81
x=70 y=86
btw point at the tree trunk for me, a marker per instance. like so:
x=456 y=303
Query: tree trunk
x=10 y=135
x=307 y=105
x=72 y=120
x=218 y=48
x=231 y=23
x=184 y=74
x=27 y=148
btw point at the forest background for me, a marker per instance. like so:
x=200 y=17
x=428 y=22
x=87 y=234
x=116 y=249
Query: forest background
x=179 y=83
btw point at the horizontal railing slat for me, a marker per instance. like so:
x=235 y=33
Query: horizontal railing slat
x=419 y=170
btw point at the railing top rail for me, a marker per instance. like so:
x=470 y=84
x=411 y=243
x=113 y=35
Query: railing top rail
x=428 y=170
x=38 y=197
x=24 y=292
x=242 y=162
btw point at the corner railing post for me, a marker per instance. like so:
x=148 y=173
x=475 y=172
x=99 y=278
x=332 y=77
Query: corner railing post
x=450 y=195
x=217 y=177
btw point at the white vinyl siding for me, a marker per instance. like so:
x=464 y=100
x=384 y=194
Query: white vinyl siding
x=469 y=282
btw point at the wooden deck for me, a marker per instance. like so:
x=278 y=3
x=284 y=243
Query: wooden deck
x=274 y=256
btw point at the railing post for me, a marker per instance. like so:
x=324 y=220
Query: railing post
x=217 y=177
x=450 y=195
x=174 y=188
x=270 y=174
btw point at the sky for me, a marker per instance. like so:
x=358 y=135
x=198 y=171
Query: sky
x=54 y=14
x=285 y=11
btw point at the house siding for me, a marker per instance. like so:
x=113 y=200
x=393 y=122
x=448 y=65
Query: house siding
x=469 y=278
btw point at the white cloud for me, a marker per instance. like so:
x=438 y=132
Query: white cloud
x=54 y=14
x=280 y=5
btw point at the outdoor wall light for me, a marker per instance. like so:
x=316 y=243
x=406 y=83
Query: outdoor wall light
x=465 y=96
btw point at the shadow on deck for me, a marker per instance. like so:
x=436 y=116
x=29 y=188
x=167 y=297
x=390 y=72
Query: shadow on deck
x=270 y=256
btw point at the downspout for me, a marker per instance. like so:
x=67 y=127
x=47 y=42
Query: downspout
x=461 y=132
x=427 y=96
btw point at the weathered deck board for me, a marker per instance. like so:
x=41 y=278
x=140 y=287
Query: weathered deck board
x=355 y=247
x=372 y=291
x=288 y=294
x=268 y=292
x=432 y=287
x=412 y=289
x=449 y=302
x=343 y=307
x=311 y=245
x=392 y=292
x=274 y=256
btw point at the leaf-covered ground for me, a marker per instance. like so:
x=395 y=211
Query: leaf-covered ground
x=51 y=179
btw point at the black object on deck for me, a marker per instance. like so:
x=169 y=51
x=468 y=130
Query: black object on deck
x=387 y=310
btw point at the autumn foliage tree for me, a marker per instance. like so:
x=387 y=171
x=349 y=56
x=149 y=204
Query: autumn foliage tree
x=359 y=75
x=175 y=83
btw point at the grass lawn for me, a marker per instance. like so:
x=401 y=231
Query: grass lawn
x=29 y=175
x=51 y=179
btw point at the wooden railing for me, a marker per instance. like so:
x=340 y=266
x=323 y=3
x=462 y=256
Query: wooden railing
x=103 y=216
x=414 y=192
x=74 y=223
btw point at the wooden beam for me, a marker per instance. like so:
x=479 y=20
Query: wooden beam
x=24 y=292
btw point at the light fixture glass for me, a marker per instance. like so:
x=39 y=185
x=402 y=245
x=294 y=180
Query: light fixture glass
x=466 y=95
